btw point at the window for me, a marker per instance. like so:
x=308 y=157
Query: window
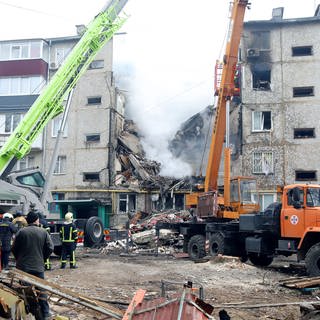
x=21 y=50
x=61 y=164
x=265 y=199
x=26 y=162
x=93 y=138
x=56 y=124
x=302 y=175
x=302 y=51
x=61 y=54
x=94 y=100
x=11 y=121
x=313 y=197
x=303 y=92
x=261 y=80
x=54 y=207
x=96 y=64
x=300 y=133
x=21 y=85
x=295 y=196
x=262 y=162
x=32 y=179
x=261 y=120
x=127 y=202
x=91 y=177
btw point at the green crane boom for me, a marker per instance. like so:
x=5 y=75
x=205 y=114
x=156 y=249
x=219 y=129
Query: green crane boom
x=49 y=103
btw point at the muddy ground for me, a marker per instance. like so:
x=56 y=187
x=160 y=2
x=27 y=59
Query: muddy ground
x=114 y=277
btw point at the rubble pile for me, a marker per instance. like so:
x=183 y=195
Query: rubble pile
x=141 y=236
x=149 y=222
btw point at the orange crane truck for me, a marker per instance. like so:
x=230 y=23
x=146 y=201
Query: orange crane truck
x=231 y=224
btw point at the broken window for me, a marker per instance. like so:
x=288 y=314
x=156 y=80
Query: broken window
x=303 y=92
x=93 y=138
x=304 y=133
x=127 y=202
x=91 y=176
x=302 y=51
x=261 y=76
x=261 y=80
x=94 y=100
x=302 y=175
x=262 y=162
x=261 y=120
x=261 y=39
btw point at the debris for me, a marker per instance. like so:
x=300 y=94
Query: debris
x=301 y=282
x=61 y=292
x=182 y=306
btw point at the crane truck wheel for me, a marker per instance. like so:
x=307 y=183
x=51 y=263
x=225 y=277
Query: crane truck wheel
x=216 y=244
x=196 y=247
x=312 y=260
x=260 y=260
x=93 y=231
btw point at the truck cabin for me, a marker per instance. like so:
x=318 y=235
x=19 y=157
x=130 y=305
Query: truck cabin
x=301 y=196
x=243 y=195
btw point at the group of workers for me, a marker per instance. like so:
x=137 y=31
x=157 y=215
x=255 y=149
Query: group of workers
x=29 y=241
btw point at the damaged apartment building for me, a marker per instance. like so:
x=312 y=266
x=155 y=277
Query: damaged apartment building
x=100 y=167
x=277 y=121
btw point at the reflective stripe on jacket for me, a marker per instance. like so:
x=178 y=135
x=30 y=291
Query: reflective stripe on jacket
x=68 y=233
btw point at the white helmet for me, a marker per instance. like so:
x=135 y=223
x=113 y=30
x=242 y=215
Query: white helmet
x=8 y=215
x=69 y=216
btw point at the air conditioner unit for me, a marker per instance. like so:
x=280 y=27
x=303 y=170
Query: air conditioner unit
x=53 y=66
x=253 y=52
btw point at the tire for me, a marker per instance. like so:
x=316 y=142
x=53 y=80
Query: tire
x=260 y=260
x=196 y=247
x=216 y=244
x=93 y=232
x=313 y=260
x=57 y=250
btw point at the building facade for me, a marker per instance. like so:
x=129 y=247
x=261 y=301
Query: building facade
x=85 y=161
x=277 y=121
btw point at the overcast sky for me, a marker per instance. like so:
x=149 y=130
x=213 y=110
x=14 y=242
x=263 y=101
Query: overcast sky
x=169 y=50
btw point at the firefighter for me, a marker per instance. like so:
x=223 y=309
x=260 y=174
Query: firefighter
x=7 y=229
x=68 y=237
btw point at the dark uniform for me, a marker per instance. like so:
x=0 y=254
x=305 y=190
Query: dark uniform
x=68 y=237
x=44 y=224
x=7 y=229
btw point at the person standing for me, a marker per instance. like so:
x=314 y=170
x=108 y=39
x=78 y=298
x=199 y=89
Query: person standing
x=19 y=221
x=44 y=224
x=7 y=229
x=68 y=237
x=31 y=247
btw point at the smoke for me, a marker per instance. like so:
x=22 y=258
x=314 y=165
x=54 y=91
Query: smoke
x=165 y=61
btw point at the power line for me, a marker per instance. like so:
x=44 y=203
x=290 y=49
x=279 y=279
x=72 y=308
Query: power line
x=31 y=10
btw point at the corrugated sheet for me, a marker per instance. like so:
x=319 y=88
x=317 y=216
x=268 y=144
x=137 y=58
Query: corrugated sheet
x=168 y=309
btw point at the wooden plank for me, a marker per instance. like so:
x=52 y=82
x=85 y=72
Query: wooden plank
x=67 y=294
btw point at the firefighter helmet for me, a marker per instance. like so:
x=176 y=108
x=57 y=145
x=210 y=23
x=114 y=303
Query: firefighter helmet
x=8 y=215
x=69 y=216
